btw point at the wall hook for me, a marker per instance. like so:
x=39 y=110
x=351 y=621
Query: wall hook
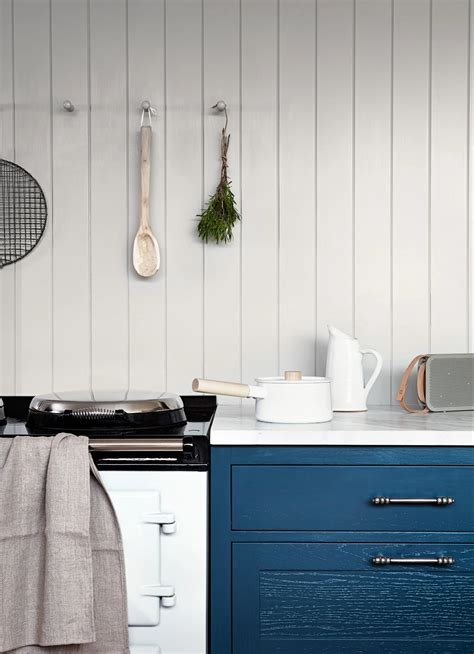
x=146 y=105
x=149 y=109
x=68 y=106
x=222 y=107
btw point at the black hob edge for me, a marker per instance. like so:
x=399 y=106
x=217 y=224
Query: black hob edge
x=200 y=411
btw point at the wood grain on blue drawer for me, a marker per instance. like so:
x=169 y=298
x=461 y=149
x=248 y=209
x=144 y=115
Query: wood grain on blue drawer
x=338 y=498
x=330 y=598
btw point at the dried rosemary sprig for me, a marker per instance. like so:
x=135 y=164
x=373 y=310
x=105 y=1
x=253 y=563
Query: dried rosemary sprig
x=220 y=215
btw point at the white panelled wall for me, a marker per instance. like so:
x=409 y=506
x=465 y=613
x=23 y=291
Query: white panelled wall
x=351 y=158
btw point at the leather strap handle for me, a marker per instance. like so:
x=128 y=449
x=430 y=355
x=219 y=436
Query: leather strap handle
x=404 y=384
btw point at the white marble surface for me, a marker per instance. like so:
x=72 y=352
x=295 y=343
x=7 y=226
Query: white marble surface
x=236 y=425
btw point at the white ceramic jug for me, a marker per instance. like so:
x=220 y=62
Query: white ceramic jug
x=344 y=369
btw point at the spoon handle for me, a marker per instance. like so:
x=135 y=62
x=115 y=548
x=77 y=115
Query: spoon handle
x=145 y=132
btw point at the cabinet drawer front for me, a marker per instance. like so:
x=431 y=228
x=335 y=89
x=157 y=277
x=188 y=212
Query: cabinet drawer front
x=340 y=498
x=305 y=597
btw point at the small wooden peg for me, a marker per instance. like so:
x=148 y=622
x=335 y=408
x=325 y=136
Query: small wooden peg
x=293 y=375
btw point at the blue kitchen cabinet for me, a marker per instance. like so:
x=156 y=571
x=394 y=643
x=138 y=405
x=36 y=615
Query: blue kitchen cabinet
x=294 y=539
x=296 y=598
x=341 y=498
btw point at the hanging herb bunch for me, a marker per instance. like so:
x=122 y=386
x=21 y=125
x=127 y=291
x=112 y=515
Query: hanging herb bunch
x=220 y=215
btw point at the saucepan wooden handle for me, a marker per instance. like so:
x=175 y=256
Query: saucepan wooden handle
x=221 y=388
x=227 y=388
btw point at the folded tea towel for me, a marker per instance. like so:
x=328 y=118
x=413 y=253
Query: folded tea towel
x=62 y=579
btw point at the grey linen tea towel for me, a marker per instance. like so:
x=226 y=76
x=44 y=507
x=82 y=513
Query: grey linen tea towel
x=62 y=578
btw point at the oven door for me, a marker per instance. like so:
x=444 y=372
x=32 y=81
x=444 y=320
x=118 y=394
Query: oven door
x=163 y=520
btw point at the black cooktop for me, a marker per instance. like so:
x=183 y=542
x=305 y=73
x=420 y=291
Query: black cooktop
x=194 y=437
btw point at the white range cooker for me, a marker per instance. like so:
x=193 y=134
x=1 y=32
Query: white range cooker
x=152 y=453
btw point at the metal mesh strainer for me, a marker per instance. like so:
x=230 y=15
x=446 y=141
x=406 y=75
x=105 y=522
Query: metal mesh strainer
x=23 y=212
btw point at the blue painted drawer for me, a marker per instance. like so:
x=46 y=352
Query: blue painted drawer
x=302 y=598
x=339 y=498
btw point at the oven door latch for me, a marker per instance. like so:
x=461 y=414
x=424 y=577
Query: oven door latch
x=167 y=521
x=165 y=593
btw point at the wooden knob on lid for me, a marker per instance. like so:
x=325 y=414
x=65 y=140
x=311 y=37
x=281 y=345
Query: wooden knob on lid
x=293 y=375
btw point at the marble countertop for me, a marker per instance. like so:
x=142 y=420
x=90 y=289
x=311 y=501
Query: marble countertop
x=388 y=425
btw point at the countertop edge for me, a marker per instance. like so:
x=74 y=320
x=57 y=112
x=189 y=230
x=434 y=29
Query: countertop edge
x=382 y=439
x=379 y=426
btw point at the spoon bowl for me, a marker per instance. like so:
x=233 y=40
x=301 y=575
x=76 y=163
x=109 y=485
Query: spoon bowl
x=146 y=253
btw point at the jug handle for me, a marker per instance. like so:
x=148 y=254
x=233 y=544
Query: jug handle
x=377 y=369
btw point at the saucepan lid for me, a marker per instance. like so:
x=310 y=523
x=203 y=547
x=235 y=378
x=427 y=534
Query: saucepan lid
x=292 y=377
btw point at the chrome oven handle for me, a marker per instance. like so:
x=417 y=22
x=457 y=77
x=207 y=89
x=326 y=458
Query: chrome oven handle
x=386 y=560
x=436 y=501
x=136 y=444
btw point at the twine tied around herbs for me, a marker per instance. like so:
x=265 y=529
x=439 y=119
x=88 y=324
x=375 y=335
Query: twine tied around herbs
x=219 y=217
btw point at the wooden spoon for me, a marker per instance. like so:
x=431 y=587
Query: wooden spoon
x=146 y=253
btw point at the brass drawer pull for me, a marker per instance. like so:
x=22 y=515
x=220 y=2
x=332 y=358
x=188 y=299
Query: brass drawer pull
x=437 y=501
x=385 y=560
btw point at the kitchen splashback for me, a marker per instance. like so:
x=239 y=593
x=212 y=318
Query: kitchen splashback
x=349 y=157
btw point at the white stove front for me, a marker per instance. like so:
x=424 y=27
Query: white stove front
x=163 y=520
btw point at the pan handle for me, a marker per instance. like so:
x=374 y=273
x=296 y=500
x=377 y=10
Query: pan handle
x=228 y=388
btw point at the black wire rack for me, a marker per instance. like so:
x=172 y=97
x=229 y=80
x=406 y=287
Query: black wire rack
x=23 y=212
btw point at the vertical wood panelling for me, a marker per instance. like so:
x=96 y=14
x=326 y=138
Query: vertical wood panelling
x=222 y=333
x=411 y=97
x=372 y=193
x=109 y=163
x=334 y=256
x=351 y=158
x=184 y=251
x=146 y=73
x=297 y=173
x=471 y=177
x=7 y=151
x=34 y=352
x=449 y=157
x=260 y=237
x=69 y=37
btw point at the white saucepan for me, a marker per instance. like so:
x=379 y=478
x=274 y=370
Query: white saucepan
x=291 y=398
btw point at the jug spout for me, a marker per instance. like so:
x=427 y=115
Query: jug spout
x=334 y=331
